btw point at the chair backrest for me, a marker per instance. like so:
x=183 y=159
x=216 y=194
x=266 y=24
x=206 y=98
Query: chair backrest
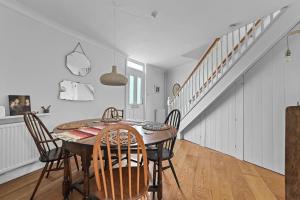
x=110 y=113
x=173 y=119
x=125 y=183
x=39 y=133
x=121 y=114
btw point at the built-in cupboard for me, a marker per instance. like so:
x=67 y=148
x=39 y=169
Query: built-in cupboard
x=248 y=120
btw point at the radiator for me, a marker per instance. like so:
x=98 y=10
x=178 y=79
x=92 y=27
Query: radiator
x=17 y=147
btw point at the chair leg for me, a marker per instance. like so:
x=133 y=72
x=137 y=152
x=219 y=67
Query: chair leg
x=154 y=178
x=76 y=162
x=50 y=167
x=174 y=173
x=40 y=180
x=57 y=164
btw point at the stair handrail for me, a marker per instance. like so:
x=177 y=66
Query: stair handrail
x=199 y=63
x=212 y=46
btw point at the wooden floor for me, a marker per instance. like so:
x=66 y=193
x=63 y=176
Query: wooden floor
x=203 y=174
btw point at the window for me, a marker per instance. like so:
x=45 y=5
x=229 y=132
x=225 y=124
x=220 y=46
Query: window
x=131 y=89
x=139 y=91
x=134 y=65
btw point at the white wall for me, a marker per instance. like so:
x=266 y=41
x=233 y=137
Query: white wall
x=32 y=60
x=155 y=76
x=270 y=86
x=178 y=75
x=220 y=127
x=254 y=111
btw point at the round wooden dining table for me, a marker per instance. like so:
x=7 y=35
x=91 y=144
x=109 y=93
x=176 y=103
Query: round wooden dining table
x=84 y=149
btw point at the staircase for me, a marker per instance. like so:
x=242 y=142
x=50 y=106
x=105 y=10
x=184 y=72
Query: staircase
x=221 y=56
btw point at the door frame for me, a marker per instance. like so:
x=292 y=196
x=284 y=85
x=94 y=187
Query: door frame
x=143 y=87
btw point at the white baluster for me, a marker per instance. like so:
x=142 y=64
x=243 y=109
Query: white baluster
x=218 y=58
x=226 y=53
x=221 y=55
x=228 y=50
x=207 y=71
x=203 y=75
x=239 y=43
x=189 y=94
x=183 y=99
x=232 y=55
x=212 y=64
x=215 y=66
x=243 y=36
x=199 y=75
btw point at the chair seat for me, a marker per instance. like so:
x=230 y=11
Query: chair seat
x=153 y=154
x=53 y=155
x=143 y=189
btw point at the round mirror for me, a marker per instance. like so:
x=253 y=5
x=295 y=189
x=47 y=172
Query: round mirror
x=78 y=63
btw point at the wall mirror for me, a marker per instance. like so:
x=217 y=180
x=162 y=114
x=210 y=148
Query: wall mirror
x=74 y=91
x=77 y=62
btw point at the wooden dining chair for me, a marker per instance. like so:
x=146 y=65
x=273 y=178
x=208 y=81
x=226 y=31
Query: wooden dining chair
x=120 y=182
x=110 y=113
x=121 y=113
x=173 y=119
x=50 y=152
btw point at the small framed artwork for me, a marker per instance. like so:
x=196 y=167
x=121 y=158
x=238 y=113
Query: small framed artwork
x=156 y=89
x=19 y=104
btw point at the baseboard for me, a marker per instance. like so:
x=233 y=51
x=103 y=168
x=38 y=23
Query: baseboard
x=21 y=171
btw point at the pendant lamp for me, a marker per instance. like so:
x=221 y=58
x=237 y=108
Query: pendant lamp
x=114 y=78
x=288 y=53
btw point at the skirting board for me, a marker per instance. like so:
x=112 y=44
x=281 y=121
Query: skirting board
x=21 y=171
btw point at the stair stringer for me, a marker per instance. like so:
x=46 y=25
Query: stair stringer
x=262 y=45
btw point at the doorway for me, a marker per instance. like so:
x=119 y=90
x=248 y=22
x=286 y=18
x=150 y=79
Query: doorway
x=135 y=90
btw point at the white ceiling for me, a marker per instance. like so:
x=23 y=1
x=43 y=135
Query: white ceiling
x=181 y=27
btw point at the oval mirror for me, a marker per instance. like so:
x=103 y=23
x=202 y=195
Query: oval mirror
x=78 y=63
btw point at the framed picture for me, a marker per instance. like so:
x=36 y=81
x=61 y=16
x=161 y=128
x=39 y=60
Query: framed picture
x=156 y=89
x=19 y=104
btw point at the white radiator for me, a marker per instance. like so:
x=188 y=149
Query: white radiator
x=17 y=147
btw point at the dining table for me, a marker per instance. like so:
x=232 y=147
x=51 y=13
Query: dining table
x=84 y=149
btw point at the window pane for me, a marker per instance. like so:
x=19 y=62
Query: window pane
x=131 y=89
x=135 y=66
x=139 y=91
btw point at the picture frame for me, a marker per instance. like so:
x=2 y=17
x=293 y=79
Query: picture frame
x=19 y=104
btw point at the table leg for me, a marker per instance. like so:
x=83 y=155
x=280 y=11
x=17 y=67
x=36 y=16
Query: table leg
x=86 y=162
x=67 y=175
x=159 y=184
x=105 y=159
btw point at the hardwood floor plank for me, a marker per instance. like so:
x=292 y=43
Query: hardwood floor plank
x=200 y=188
x=275 y=183
x=203 y=174
x=256 y=183
x=239 y=186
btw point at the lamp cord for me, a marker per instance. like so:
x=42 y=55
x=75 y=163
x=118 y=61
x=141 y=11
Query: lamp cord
x=287 y=41
x=114 y=34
